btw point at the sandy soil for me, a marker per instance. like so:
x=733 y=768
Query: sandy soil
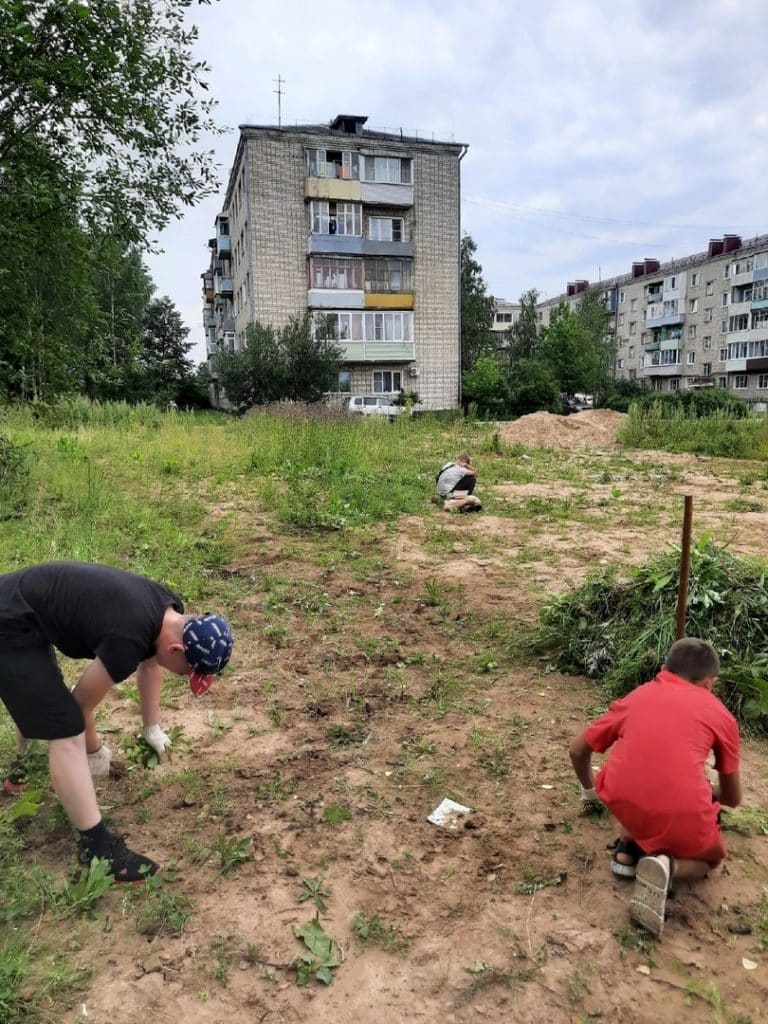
x=513 y=918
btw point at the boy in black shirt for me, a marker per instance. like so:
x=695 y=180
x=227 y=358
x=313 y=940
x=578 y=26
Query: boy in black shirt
x=125 y=623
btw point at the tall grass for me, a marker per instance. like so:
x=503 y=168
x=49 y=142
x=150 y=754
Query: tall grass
x=723 y=433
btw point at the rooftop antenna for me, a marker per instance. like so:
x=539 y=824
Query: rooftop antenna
x=280 y=82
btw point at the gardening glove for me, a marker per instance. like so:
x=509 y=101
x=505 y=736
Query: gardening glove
x=99 y=762
x=157 y=739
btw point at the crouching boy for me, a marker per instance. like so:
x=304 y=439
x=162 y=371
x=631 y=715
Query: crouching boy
x=654 y=782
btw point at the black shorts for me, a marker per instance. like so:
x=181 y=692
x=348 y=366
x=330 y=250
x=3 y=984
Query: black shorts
x=33 y=689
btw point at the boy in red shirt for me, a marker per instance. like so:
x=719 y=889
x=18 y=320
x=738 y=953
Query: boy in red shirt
x=654 y=782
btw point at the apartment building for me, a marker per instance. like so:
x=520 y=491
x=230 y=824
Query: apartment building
x=505 y=314
x=700 y=321
x=359 y=227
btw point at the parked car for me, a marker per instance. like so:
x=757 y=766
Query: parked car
x=571 y=403
x=374 y=405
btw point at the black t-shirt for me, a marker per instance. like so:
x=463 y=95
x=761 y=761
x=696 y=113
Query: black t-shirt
x=85 y=611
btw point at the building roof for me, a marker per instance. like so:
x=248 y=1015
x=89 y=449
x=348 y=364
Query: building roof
x=366 y=133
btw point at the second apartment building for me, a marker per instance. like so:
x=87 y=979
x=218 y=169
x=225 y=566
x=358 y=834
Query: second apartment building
x=700 y=321
x=360 y=228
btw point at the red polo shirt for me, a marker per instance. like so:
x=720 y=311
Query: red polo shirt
x=654 y=782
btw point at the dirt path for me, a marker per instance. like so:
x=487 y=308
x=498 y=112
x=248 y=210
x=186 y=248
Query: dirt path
x=372 y=680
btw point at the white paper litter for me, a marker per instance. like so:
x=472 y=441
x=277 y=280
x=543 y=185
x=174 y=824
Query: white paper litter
x=448 y=814
x=643 y=969
x=748 y=965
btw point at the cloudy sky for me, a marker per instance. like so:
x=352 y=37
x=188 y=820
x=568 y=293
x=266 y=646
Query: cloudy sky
x=599 y=131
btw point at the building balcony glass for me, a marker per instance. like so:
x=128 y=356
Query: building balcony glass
x=672 y=370
x=377 y=351
x=655 y=297
x=664 y=321
x=334 y=188
x=335 y=298
x=225 y=286
x=223 y=246
x=209 y=318
x=376 y=193
x=354 y=245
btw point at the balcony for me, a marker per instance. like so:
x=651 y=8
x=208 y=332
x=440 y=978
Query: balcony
x=654 y=297
x=344 y=189
x=735 y=365
x=375 y=193
x=760 y=304
x=389 y=300
x=673 y=370
x=224 y=247
x=335 y=298
x=209 y=318
x=671 y=319
x=226 y=287
x=746 y=277
x=377 y=351
x=354 y=245
x=229 y=325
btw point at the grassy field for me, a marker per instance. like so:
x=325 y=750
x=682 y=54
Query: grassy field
x=377 y=669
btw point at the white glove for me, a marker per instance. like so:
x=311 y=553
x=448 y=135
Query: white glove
x=157 y=739
x=589 y=796
x=99 y=762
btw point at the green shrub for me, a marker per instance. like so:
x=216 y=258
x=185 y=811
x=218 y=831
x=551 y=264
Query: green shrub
x=725 y=432
x=619 y=395
x=695 y=402
x=14 y=477
x=619 y=631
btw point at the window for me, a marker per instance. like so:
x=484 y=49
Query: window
x=345 y=381
x=397 y=276
x=739 y=323
x=633 y=305
x=631 y=351
x=723 y=355
x=723 y=326
x=691 y=358
x=737 y=350
x=621 y=296
x=708 y=314
x=621 y=319
x=335 y=272
x=740 y=381
x=332 y=163
x=693 y=306
x=392 y=170
x=673 y=384
x=633 y=327
x=724 y=301
x=707 y=341
x=709 y=288
x=633 y=374
x=722 y=382
x=369 y=326
x=694 y=278
x=689 y=381
x=760 y=318
x=762 y=381
x=707 y=369
x=670 y=358
x=760 y=291
x=692 y=330
x=672 y=283
x=336 y=218
x=385 y=382
x=619 y=364
x=386 y=229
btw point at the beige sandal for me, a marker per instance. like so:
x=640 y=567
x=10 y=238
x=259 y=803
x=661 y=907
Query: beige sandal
x=649 y=900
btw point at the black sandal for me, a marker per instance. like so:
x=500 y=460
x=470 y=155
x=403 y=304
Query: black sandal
x=630 y=848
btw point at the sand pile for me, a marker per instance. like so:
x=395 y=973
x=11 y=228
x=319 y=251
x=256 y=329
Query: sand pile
x=594 y=428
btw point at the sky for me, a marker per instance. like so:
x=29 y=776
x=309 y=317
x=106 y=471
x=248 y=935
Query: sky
x=599 y=132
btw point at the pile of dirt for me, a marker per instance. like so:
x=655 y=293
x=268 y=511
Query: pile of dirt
x=594 y=428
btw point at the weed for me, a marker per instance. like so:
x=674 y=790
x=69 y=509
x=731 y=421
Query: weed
x=747 y=821
x=233 y=851
x=314 y=890
x=636 y=940
x=335 y=814
x=532 y=882
x=343 y=736
x=137 y=751
x=82 y=895
x=275 y=789
x=324 y=954
x=160 y=911
x=371 y=928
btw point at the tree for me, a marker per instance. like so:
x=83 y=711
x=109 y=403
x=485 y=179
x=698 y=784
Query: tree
x=477 y=308
x=534 y=388
x=111 y=91
x=594 y=317
x=487 y=386
x=163 y=363
x=297 y=362
x=567 y=352
x=525 y=333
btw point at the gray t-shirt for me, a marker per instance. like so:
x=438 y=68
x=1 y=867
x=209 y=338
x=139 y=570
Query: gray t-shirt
x=450 y=475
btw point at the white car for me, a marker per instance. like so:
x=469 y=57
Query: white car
x=374 y=405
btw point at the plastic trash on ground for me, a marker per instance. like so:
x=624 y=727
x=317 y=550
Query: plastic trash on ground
x=449 y=815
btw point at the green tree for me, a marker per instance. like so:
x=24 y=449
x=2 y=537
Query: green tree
x=595 y=319
x=163 y=363
x=567 y=351
x=487 y=387
x=477 y=308
x=525 y=334
x=312 y=360
x=112 y=91
x=534 y=388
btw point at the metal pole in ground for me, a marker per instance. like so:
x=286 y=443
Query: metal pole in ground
x=685 y=568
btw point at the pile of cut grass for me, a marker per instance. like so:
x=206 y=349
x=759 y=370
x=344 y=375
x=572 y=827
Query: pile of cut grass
x=619 y=630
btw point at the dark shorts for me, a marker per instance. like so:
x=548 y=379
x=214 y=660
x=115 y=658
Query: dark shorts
x=36 y=696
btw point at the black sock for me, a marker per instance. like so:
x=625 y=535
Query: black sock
x=96 y=836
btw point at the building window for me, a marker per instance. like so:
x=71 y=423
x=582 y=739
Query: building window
x=692 y=330
x=762 y=381
x=708 y=314
x=707 y=369
x=332 y=163
x=740 y=381
x=760 y=319
x=694 y=278
x=723 y=326
x=395 y=276
x=672 y=283
x=722 y=382
x=739 y=323
x=633 y=305
x=386 y=382
x=504 y=318
x=673 y=384
x=670 y=357
x=619 y=364
x=691 y=358
x=631 y=351
x=392 y=170
x=621 y=319
x=369 y=326
x=709 y=288
x=621 y=296
x=328 y=218
x=633 y=374
x=334 y=272
x=345 y=381
x=723 y=355
x=693 y=306
x=707 y=341
x=633 y=327
x=724 y=300
x=386 y=229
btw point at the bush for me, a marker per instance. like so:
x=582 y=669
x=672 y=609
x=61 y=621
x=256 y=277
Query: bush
x=695 y=403
x=534 y=388
x=723 y=433
x=619 y=631
x=14 y=477
x=619 y=395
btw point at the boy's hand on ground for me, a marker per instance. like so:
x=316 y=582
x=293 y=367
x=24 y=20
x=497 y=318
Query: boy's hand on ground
x=157 y=739
x=99 y=762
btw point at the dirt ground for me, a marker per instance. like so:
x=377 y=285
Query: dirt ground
x=369 y=683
